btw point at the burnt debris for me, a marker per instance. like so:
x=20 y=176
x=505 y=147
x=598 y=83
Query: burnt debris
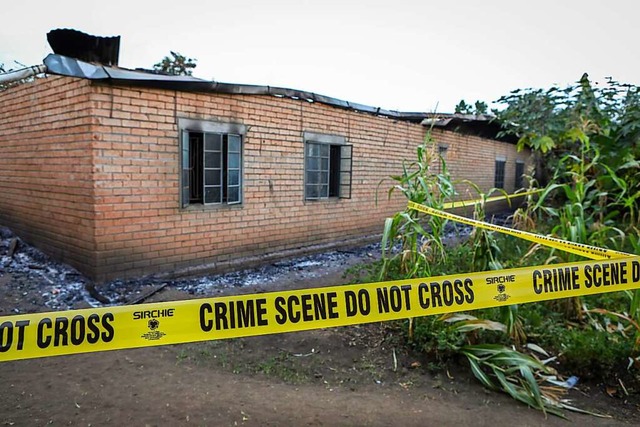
x=31 y=281
x=85 y=47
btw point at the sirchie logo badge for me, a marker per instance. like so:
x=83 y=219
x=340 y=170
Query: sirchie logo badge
x=153 y=334
x=502 y=295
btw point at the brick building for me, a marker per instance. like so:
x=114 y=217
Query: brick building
x=123 y=173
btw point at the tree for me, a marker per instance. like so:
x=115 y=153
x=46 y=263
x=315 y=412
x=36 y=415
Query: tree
x=544 y=120
x=463 y=108
x=176 y=65
x=478 y=108
x=581 y=124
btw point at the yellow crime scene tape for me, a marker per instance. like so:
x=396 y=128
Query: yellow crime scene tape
x=176 y=322
x=467 y=203
x=112 y=328
x=588 y=251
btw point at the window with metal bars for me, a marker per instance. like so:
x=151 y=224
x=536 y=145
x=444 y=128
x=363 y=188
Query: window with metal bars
x=328 y=164
x=498 y=181
x=211 y=164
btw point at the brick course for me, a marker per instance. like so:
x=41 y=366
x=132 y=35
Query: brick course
x=90 y=173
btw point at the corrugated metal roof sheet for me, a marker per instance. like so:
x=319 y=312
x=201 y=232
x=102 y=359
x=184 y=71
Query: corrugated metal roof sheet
x=482 y=125
x=65 y=66
x=76 y=44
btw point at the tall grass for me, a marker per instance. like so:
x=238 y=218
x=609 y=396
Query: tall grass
x=420 y=242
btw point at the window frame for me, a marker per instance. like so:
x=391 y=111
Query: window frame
x=344 y=170
x=499 y=178
x=226 y=130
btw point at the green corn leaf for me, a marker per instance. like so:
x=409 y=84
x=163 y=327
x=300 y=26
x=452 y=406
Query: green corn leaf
x=479 y=324
x=533 y=387
x=387 y=234
x=480 y=375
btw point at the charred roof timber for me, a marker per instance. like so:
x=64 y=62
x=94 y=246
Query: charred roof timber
x=85 y=47
x=482 y=125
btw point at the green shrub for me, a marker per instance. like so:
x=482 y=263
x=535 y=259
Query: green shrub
x=589 y=353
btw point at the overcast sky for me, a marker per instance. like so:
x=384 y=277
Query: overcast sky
x=407 y=55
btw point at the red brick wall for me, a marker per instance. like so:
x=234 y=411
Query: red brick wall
x=473 y=158
x=140 y=227
x=45 y=167
x=107 y=198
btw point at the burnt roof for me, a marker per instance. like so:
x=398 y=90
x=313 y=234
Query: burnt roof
x=482 y=125
x=85 y=47
x=72 y=67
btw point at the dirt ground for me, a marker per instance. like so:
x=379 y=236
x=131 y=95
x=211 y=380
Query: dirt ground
x=361 y=375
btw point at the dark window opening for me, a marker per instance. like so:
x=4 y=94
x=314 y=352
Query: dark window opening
x=195 y=173
x=498 y=181
x=334 y=171
x=211 y=168
x=327 y=170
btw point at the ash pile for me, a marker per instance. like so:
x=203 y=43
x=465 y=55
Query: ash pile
x=30 y=281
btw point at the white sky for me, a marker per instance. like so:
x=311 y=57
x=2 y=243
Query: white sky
x=409 y=55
